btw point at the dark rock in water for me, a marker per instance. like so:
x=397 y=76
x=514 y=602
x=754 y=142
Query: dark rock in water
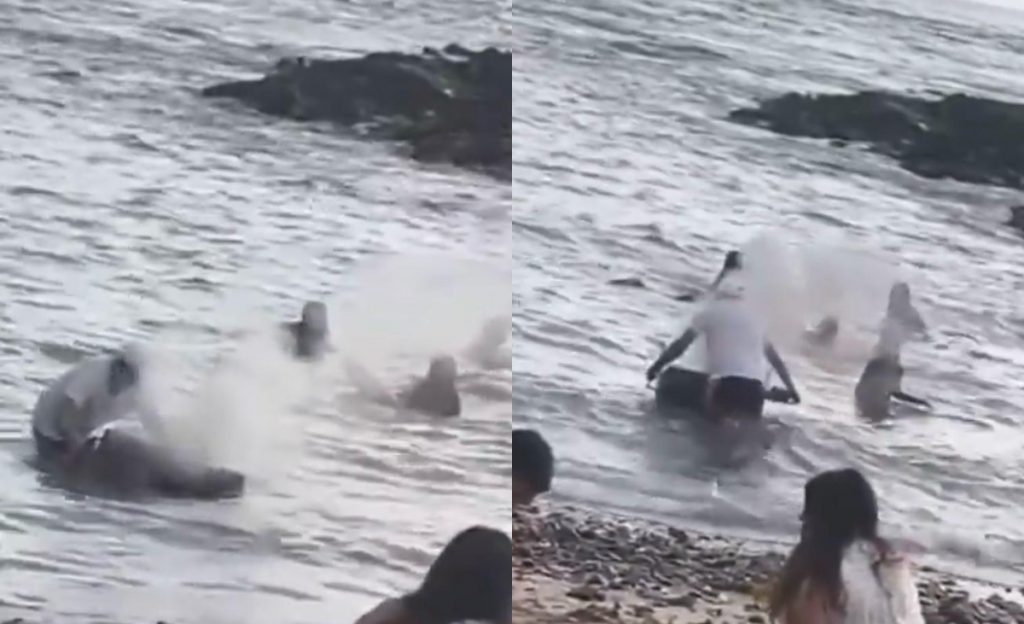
x=628 y=282
x=1017 y=221
x=452 y=106
x=966 y=138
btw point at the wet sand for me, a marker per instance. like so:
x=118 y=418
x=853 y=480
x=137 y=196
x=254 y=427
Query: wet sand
x=571 y=566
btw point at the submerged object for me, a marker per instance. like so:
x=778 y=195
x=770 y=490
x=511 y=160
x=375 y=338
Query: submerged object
x=122 y=461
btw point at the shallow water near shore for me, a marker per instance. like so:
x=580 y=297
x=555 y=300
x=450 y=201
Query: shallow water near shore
x=135 y=210
x=627 y=167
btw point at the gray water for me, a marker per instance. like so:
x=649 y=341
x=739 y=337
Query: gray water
x=626 y=166
x=132 y=209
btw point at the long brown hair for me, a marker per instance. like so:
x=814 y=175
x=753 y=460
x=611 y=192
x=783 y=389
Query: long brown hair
x=839 y=508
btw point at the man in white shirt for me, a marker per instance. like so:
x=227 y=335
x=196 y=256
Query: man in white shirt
x=96 y=392
x=736 y=349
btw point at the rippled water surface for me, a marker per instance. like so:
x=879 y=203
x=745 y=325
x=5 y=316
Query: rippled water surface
x=133 y=209
x=626 y=166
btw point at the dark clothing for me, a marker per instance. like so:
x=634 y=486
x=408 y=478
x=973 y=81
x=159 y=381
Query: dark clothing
x=48 y=449
x=737 y=397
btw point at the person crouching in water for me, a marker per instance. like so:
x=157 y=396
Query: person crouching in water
x=736 y=347
x=882 y=377
x=97 y=391
x=469 y=581
x=902 y=322
x=533 y=466
x=842 y=572
x=436 y=393
x=309 y=336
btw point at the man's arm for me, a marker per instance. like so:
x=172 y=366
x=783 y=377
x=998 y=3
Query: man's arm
x=674 y=350
x=780 y=369
x=73 y=421
x=907 y=398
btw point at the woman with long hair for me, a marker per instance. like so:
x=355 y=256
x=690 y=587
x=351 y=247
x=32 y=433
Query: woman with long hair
x=842 y=571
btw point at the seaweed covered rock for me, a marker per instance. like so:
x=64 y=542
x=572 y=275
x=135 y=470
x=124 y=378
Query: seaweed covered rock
x=966 y=138
x=452 y=106
x=1017 y=220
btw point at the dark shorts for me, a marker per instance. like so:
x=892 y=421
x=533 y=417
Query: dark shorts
x=737 y=397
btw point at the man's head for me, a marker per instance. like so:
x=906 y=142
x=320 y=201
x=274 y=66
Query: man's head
x=443 y=369
x=733 y=262
x=533 y=466
x=124 y=370
x=314 y=319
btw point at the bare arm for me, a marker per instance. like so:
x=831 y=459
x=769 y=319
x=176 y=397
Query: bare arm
x=907 y=398
x=673 y=351
x=780 y=368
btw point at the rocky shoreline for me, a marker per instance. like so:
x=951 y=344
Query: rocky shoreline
x=452 y=105
x=963 y=137
x=574 y=566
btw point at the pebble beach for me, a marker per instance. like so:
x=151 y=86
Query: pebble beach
x=575 y=566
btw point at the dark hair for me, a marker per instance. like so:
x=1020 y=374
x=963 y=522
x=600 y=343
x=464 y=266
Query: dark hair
x=839 y=507
x=532 y=459
x=470 y=580
x=899 y=295
x=733 y=260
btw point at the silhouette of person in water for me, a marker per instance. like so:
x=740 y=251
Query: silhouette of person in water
x=469 y=581
x=436 y=393
x=309 y=335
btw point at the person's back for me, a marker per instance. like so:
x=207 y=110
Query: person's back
x=902 y=323
x=734 y=339
x=436 y=394
x=84 y=387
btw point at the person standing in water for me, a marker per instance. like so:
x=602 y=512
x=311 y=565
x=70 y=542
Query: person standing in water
x=842 y=572
x=882 y=377
x=469 y=581
x=901 y=324
x=736 y=347
x=96 y=392
x=733 y=262
x=309 y=335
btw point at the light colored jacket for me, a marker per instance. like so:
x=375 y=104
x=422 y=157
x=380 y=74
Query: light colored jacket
x=877 y=589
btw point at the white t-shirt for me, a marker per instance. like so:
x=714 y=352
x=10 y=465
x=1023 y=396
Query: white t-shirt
x=878 y=593
x=734 y=338
x=86 y=383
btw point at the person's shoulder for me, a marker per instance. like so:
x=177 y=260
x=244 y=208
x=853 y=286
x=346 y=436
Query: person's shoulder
x=389 y=611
